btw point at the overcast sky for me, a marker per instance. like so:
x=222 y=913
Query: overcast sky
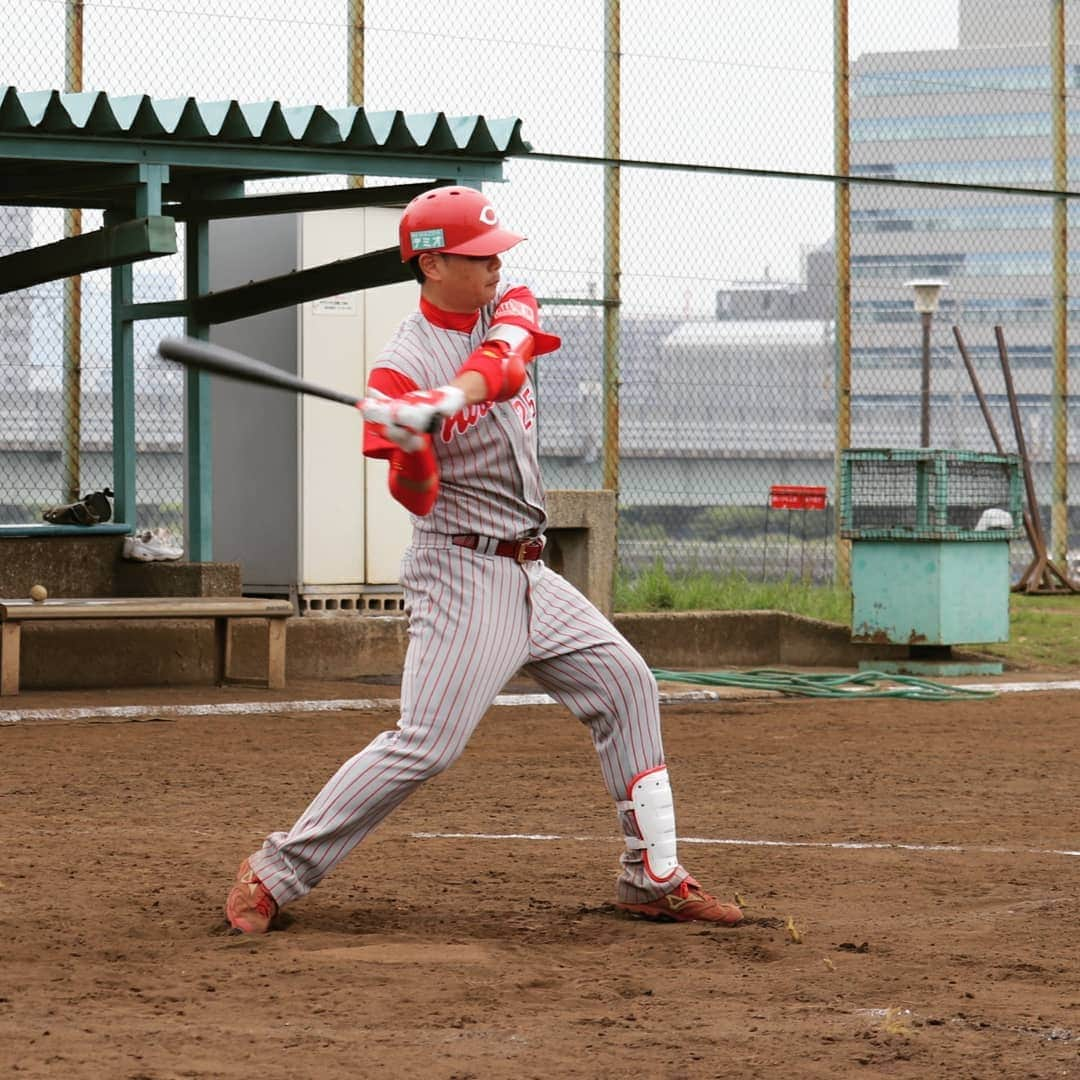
x=745 y=83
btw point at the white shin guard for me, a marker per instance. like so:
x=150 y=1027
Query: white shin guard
x=653 y=806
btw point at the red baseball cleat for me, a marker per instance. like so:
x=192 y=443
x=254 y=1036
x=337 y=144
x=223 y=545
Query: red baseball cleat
x=249 y=907
x=687 y=902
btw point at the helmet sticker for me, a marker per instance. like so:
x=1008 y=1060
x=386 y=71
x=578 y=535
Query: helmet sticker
x=425 y=239
x=487 y=215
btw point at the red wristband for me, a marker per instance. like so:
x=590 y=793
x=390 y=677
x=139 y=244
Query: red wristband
x=414 y=479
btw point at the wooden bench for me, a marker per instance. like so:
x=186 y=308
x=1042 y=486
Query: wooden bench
x=222 y=609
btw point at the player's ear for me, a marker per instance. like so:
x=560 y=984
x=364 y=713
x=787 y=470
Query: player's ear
x=431 y=265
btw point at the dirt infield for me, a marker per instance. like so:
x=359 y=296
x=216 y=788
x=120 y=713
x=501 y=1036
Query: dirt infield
x=923 y=851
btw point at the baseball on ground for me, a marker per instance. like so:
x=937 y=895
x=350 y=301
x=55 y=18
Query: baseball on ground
x=38 y=592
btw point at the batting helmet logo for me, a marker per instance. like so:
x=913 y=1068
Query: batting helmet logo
x=455 y=220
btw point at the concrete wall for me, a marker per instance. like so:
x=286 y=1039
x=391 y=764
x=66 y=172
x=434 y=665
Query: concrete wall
x=581 y=541
x=117 y=653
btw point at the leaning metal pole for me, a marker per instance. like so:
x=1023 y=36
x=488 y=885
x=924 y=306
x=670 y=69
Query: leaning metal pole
x=612 y=64
x=71 y=434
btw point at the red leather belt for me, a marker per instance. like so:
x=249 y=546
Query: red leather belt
x=520 y=550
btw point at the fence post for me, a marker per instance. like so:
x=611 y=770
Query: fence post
x=842 y=163
x=71 y=436
x=1059 y=500
x=612 y=107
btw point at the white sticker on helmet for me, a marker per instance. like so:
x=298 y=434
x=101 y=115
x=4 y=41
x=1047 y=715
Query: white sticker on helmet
x=426 y=239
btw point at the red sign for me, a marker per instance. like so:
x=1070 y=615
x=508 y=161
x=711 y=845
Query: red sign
x=796 y=497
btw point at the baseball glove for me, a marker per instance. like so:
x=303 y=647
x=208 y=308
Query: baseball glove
x=91 y=509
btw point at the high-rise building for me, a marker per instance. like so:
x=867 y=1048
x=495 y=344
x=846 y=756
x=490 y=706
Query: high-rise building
x=976 y=114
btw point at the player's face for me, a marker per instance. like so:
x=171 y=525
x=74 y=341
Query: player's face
x=466 y=282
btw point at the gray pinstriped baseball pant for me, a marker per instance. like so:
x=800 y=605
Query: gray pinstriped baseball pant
x=474 y=621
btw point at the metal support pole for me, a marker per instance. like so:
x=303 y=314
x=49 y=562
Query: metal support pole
x=1059 y=498
x=924 y=385
x=123 y=390
x=198 y=480
x=71 y=436
x=612 y=112
x=842 y=229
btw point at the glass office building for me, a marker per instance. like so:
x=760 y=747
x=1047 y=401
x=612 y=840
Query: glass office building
x=976 y=114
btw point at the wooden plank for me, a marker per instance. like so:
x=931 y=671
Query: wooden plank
x=275 y=657
x=221 y=609
x=143 y=607
x=9 y=658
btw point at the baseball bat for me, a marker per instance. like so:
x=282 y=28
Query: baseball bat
x=233 y=365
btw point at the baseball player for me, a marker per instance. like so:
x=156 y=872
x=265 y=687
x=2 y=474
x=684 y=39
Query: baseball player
x=462 y=447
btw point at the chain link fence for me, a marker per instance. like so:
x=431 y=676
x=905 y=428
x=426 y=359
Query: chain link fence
x=718 y=323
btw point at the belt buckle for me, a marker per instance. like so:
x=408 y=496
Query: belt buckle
x=527 y=547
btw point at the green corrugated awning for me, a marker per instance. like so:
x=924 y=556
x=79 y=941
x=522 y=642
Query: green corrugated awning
x=236 y=141
x=269 y=123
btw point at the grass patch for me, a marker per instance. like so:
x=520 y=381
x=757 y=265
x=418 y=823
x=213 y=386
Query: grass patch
x=656 y=590
x=1044 y=631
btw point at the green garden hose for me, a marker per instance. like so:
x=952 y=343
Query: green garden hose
x=866 y=684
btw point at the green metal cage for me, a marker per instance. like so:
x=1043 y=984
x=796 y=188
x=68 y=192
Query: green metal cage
x=930 y=494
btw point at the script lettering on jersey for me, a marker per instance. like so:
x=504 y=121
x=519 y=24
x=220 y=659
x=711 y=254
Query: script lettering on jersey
x=460 y=422
x=524 y=405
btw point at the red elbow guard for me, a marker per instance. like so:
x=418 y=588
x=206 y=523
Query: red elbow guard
x=414 y=479
x=502 y=360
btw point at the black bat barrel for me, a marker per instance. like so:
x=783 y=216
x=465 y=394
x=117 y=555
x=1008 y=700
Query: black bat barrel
x=233 y=365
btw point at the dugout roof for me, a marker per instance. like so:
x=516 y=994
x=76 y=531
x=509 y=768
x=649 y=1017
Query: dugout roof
x=53 y=144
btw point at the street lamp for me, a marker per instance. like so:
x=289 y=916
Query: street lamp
x=927 y=293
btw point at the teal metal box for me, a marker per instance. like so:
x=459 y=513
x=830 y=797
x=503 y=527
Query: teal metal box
x=946 y=592
x=930 y=532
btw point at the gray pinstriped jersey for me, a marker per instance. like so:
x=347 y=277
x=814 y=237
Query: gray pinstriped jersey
x=489 y=470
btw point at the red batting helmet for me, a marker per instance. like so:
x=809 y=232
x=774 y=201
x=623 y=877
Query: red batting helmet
x=456 y=220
